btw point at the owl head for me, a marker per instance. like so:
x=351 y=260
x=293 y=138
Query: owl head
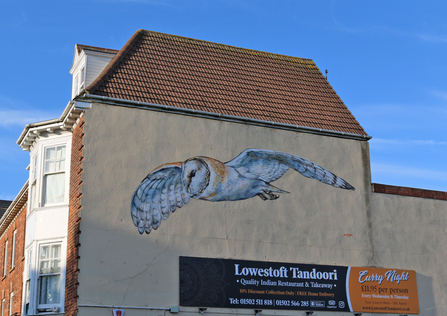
x=195 y=176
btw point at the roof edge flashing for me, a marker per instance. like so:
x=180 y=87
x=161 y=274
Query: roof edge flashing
x=218 y=116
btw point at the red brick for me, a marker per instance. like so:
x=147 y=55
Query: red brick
x=14 y=277
x=396 y=190
x=74 y=220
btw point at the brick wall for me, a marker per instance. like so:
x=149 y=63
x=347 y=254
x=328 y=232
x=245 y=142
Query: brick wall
x=13 y=281
x=74 y=220
x=396 y=190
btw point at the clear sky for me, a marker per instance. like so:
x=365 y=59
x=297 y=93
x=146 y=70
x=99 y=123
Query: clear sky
x=387 y=60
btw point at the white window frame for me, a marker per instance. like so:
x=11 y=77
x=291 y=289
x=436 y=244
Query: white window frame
x=75 y=85
x=33 y=177
x=28 y=276
x=3 y=306
x=5 y=268
x=13 y=254
x=35 y=295
x=10 y=303
x=39 y=186
x=46 y=174
x=81 y=84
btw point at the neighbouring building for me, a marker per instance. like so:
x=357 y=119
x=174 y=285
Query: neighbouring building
x=116 y=217
x=12 y=250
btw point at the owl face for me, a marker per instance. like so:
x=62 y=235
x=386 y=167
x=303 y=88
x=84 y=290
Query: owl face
x=195 y=176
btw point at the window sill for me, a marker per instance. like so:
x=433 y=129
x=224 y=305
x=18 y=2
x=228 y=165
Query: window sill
x=4 y=277
x=49 y=313
x=12 y=269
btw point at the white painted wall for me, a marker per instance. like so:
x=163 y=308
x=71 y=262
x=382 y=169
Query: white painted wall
x=120 y=267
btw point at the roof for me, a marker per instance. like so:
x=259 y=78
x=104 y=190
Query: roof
x=4 y=206
x=14 y=208
x=198 y=75
x=80 y=47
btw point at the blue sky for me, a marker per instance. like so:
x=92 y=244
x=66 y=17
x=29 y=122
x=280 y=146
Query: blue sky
x=386 y=60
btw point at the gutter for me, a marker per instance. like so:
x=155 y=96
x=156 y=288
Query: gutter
x=221 y=117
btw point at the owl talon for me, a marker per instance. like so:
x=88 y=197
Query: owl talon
x=268 y=195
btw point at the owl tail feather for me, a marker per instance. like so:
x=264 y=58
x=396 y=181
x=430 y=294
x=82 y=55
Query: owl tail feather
x=267 y=193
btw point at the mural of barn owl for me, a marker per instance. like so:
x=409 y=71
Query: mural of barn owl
x=170 y=186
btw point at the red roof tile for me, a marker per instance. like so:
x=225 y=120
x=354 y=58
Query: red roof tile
x=193 y=74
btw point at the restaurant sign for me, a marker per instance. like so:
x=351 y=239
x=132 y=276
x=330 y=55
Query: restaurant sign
x=206 y=282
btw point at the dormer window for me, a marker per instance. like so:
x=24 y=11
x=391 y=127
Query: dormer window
x=88 y=63
x=81 y=83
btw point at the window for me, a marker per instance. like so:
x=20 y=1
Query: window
x=34 y=182
x=6 y=259
x=28 y=281
x=3 y=306
x=75 y=86
x=13 y=256
x=81 y=80
x=50 y=277
x=54 y=174
x=10 y=303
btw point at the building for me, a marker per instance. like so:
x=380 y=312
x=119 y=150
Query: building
x=12 y=249
x=162 y=99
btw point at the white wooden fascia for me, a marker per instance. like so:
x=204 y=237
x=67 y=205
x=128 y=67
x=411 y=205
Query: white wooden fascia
x=66 y=123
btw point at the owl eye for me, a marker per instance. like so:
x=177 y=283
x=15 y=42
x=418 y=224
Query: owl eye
x=193 y=173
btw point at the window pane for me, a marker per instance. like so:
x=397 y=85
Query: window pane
x=11 y=303
x=27 y=290
x=50 y=166
x=13 y=255
x=6 y=258
x=29 y=262
x=56 y=251
x=60 y=164
x=44 y=252
x=60 y=152
x=55 y=266
x=34 y=167
x=50 y=153
x=54 y=188
x=34 y=195
x=49 y=289
x=44 y=267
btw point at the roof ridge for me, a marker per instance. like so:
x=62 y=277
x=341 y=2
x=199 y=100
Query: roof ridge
x=123 y=51
x=241 y=49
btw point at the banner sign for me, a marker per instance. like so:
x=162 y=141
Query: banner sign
x=206 y=282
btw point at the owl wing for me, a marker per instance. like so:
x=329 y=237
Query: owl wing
x=269 y=166
x=157 y=196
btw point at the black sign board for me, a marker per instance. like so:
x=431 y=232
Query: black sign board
x=206 y=282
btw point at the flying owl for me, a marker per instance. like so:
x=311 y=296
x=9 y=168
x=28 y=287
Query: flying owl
x=170 y=186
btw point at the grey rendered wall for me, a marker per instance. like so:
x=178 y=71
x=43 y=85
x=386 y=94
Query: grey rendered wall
x=315 y=223
x=410 y=233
